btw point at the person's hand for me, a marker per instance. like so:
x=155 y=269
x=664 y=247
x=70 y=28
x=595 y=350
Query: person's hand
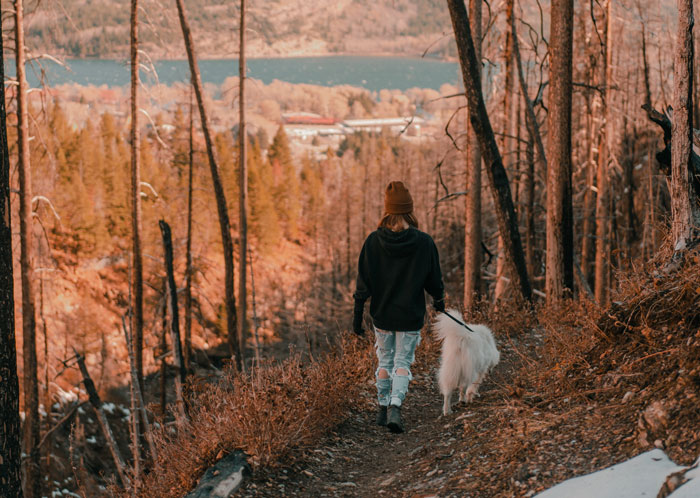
x=439 y=305
x=357 y=318
x=357 y=329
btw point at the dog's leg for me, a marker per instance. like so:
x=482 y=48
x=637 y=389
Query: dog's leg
x=462 y=393
x=473 y=389
x=446 y=409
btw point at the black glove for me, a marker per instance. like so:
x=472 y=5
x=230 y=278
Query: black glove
x=439 y=305
x=357 y=317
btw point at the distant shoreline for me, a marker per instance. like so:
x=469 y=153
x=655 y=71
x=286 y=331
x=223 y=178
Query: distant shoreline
x=428 y=57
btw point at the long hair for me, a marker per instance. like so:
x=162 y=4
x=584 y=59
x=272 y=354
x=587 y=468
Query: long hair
x=397 y=222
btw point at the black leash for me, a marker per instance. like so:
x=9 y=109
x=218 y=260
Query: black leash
x=458 y=321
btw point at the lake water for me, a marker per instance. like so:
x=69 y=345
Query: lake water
x=373 y=73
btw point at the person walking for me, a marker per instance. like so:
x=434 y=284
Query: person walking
x=397 y=264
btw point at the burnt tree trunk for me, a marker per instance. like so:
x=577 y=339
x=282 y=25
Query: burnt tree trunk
x=136 y=259
x=602 y=249
x=472 y=232
x=32 y=469
x=171 y=299
x=559 y=281
x=224 y=223
x=500 y=187
x=188 y=250
x=10 y=439
x=243 y=192
x=685 y=211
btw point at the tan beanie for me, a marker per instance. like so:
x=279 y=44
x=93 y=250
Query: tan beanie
x=397 y=199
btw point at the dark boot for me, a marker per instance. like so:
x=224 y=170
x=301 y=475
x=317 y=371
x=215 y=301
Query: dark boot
x=395 y=423
x=381 y=415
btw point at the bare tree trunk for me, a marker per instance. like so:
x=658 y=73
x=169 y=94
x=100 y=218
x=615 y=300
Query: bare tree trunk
x=602 y=255
x=243 y=197
x=136 y=261
x=472 y=232
x=507 y=144
x=685 y=212
x=500 y=187
x=164 y=350
x=224 y=224
x=32 y=469
x=136 y=393
x=530 y=209
x=171 y=299
x=10 y=440
x=96 y=403
x=559 y=282
x=188 y=256
x=588 y=229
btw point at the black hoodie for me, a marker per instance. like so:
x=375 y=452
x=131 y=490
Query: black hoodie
x=393 y=270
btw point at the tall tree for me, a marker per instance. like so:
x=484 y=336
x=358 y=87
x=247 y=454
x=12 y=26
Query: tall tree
x=472 y=232
x=509 y=132
x=221 y=206
x=559 y=279
x=243 y=189
x=188 y=255
x=136 y=260
x=602 y=211
x=10 y=445
x=685 y=210
x=32 y=470
x=498 y=179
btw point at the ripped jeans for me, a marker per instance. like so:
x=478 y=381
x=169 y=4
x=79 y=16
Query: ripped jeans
x=395 y=351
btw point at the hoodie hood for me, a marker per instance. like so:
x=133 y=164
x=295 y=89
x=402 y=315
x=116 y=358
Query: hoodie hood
x=397 y=244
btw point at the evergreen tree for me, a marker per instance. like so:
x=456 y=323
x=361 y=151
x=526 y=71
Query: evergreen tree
x=265 y=226
x=286 y=183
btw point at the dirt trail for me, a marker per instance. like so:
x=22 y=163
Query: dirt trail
x=432 y=458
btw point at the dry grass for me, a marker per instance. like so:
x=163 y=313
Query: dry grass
x=643 y=349
x=266 y=413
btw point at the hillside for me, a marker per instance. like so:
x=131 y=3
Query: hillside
x=100 y=28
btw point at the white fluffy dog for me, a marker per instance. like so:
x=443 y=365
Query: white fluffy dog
x=466 y=357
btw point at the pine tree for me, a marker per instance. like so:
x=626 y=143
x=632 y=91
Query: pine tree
x=286 y=183
x=265 y=225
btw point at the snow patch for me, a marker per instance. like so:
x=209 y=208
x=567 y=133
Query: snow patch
x=640 y=476
x=109 y=407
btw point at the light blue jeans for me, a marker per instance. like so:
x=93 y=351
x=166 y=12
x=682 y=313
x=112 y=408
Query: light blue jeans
x=395 y=350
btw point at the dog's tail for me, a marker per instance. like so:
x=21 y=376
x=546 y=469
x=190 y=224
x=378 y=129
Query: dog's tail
x=445 y=327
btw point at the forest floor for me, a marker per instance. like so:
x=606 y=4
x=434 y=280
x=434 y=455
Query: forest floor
x=505 y=443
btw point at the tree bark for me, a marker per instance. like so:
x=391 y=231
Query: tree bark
x=472 y=232
x=602 y=251
x=32 y=469
x=243 y=192
x=171 y=299
x=508 y=133
x=188 y=256
x=10 y=440
x=136 y=259
x=500 y=187
x=559 y=281
x=136 y=393
x=685 y=212
x=224 y=223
